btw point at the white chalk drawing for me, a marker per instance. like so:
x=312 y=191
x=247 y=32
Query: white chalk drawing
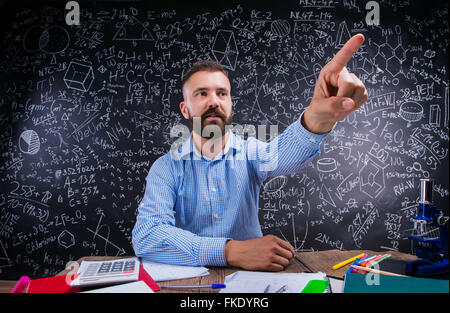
x=225 y=49
x=79 y=76
x=326 y=165
x=435 y=115
x=280 y=28
x=275 y=184
x=371 y=178
x=51 y=40
x=4 y=259
x=66 y=239
x=411 y=111
x=446 y=108
x=379 y=103
x=417 y=167
x=325 y=195
x=29 y=142
x=342 y=36
x=132 y=29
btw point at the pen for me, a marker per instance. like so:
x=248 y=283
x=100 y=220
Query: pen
x=378 y=260
x=364 y=262
x=368 y=263
x=212 y=286
x=21 y=285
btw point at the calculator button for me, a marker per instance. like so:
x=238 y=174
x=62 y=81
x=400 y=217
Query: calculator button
x=104 y=268
x=117 y=267
x=129 y=266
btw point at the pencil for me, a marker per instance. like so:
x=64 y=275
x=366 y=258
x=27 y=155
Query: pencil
x=372 y=270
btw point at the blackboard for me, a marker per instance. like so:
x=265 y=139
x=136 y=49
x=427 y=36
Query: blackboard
x=85 y=111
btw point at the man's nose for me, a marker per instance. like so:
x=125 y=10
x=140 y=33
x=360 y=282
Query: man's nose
x=213 y=101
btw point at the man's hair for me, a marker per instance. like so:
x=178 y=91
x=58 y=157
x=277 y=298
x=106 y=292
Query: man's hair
x=205 y=65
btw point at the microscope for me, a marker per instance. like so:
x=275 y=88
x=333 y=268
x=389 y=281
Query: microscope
x=429 y=236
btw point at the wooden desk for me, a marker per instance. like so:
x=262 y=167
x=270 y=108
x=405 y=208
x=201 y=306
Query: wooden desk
x=321 y=261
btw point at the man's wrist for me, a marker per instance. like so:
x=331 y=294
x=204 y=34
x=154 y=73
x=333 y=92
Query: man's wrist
x=229 y=255
x=314 y=126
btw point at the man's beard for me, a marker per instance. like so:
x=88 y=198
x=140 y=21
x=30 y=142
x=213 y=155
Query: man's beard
x=208 y=129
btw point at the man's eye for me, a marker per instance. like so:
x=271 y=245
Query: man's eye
x=203 y=93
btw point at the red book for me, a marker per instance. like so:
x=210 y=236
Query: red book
x=55 y=284
x=146 y=278
x=58 y=284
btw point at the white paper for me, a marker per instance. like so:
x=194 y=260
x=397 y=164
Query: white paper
x=257 y=282
x=164 y=272
x=134 y=287
x=337 y=285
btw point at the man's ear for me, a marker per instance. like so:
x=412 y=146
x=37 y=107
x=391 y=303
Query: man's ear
x=184 y=110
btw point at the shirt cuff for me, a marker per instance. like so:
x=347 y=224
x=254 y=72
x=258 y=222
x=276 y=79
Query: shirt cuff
x=306 y=136
x=212 y=251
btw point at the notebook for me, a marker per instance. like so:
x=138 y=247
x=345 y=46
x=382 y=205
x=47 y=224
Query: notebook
x=269 y=282
x=370 y=283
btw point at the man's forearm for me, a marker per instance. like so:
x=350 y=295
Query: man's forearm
x=170 y=244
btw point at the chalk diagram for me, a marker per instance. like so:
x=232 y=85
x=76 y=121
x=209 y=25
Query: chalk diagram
x=66 y=239
x=105 y=236
x=225 y=49
x=51 y=40
x=280 y=28
x=132 y=29
x=411 y=112
x=326 y=165
x=29 y=142
x=325 y=195
x=342 y=36
x=392 y=57
x=4 y=259
x=79 y=76
x=275 y=184
x=371 y=178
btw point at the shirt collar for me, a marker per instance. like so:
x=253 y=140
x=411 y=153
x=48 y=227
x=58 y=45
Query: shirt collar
x=234 y=142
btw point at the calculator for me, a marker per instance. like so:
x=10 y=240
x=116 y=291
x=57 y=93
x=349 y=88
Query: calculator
x=93 y=273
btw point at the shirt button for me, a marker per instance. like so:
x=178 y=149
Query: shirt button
x=213 y=189
x=216 y=215
x=312 y=139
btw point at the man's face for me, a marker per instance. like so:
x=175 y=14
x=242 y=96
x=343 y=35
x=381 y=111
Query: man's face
x=207 y=96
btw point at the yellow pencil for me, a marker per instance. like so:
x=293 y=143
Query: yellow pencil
x=339 y=265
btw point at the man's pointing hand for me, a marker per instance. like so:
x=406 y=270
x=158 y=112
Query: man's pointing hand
x=337 y=92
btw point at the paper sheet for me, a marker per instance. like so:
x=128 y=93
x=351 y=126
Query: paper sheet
x=257 y=282
x=164 y=272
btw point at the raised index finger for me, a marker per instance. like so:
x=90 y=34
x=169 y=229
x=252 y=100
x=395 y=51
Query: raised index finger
x=340 y=60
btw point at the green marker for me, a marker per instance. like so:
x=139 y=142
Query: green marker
x=316 y=286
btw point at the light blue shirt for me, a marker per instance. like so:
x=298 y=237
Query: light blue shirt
x=192 y=205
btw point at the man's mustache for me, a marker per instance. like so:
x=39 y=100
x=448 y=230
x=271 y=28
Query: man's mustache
x=213 y=112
